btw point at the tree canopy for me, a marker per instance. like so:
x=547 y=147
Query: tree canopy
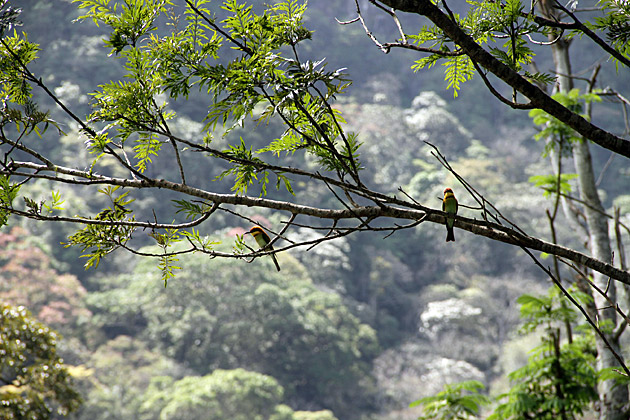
x=35 y=382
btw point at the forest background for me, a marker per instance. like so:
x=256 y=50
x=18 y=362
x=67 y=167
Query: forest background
x=361 y=326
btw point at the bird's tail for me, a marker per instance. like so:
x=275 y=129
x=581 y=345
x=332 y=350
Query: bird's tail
x=275 y=261
x=450 y=235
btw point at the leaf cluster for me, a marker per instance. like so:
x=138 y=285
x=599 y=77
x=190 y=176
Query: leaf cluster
x=15 y=52
x=261 y=74
x=8 y=192
x=561 y=135
x=504 y=26
x=247 y=170
x=545 y=310
x=616 y=23
x=551 y=385
x=17 y=109
x=34 y=381
x=459 y=401
x=552 y=184
x=98 y=240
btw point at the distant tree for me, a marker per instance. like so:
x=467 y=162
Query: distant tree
x=28 y=278
x=107 y=393
x=558 y=382
x=34 y=383
x=314 y=415
x=234 y=394
x=216 y=315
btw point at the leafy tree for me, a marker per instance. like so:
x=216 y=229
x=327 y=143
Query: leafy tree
x=27 y=277
x=560 y=380
x=217 y=315
x=35 y=382
x=457 y=402
x=235 y=394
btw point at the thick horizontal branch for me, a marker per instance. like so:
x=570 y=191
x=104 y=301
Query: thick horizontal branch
x=538 y=98
x=397 y=211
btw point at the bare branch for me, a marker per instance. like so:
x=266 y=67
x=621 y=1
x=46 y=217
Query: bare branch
x=511 y=104
x=511 y=77
x=575 y=303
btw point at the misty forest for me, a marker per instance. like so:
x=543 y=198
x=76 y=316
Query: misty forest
x=324 y=210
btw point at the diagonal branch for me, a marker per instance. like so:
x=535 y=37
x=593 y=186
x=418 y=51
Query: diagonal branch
x=592 y=323
x=511 y=77
x=588 y=32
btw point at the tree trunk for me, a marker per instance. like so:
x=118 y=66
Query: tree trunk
x=613 y=399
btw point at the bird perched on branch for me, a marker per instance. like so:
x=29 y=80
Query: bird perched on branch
x=449 y=205
x=263 y=239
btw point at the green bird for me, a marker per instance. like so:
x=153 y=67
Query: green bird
x=263 y=239
x=449 y=205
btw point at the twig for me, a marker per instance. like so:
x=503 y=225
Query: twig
x=512 y=104
x=581 y=309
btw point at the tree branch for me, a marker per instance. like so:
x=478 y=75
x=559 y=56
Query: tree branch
x=511 y=77
x=396 y=209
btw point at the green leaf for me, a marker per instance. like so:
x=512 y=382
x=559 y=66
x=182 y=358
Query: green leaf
x=8 y=193
x=549 y=183
x=458 y=70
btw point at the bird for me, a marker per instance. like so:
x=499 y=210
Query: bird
x=449 y=205
x=263 y=239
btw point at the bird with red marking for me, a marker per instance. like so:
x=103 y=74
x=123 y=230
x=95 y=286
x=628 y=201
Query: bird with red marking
x=263 y=240
x=449 y=205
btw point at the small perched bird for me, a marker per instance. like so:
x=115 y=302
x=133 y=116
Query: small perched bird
x=449 y=205
x=263 y=239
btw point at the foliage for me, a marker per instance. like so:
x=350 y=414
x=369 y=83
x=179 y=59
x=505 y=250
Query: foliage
x=486 y=22
x=314 y=415
x=262 y=75
x=457 y=402
x=107 y=393
x=221 y=315
x=35 y=382
x=552 y=184
x=561 y=134
x=28 y=277
x=560 y=379
x=102 y=239
x=616 y=23
x=235 y=394
x=246 y=63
